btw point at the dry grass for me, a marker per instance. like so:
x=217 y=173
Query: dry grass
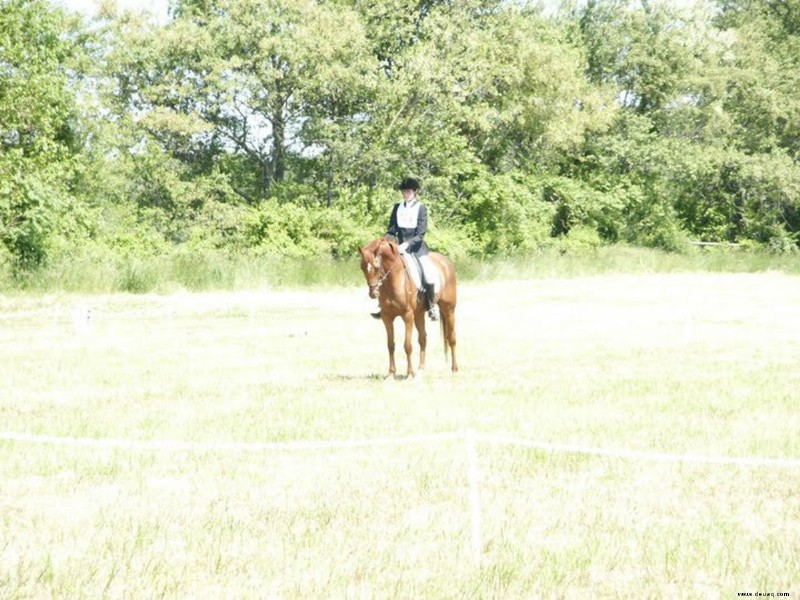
x=701 y=364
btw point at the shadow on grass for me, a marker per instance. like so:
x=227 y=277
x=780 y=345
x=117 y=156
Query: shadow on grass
x=365 y=377
x=350 y=377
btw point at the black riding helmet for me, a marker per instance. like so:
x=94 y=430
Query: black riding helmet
x=409 y=183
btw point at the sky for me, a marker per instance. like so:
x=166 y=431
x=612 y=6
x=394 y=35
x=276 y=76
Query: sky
x=89 y=7
x=159 y=7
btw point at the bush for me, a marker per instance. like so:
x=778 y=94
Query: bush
x=577 y=203
x=580 y=240
x=341 y=232
x=453 y=242
x=506 y=215
x=624 y=213
x=296 y=231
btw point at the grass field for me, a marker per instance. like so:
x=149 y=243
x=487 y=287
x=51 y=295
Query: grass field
x=702 y=364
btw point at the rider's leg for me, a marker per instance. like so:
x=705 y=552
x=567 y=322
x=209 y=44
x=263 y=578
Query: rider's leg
x=429 y=276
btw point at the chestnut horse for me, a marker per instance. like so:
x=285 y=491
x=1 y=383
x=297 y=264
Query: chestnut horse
x=397 y=295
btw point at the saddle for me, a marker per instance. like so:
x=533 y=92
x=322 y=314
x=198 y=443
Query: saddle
x=414 y=269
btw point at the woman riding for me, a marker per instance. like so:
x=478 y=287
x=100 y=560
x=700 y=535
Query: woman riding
x=408 y=225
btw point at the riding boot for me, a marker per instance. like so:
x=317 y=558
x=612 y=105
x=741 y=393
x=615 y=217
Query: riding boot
x=433 y=309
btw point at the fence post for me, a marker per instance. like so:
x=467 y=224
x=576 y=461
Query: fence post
x=474 y=496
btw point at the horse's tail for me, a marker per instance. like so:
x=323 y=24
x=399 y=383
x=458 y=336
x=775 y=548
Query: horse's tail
x=448 y=278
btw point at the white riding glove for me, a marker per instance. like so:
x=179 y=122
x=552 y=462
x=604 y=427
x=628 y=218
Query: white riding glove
x=403 y=248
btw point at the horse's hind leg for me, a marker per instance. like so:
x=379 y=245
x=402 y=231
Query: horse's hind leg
x=419 y=321
x=449 y=322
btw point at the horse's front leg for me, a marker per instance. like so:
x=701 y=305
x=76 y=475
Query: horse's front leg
x=409 y=321
x=389 y=324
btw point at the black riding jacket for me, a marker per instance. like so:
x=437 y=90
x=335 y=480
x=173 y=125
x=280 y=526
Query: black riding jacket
x=408 y=224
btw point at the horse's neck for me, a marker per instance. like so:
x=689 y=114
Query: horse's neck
x=398 y=276
x=391 y=266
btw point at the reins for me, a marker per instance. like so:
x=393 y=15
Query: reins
x=386 y=274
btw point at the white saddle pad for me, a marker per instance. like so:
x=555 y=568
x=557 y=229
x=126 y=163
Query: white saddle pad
x=413 y=267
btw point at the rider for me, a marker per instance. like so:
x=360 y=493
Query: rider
x=408 y=224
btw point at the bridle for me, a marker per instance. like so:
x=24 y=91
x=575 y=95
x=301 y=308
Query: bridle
x=377 y=286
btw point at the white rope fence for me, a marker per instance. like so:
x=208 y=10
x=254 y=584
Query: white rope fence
x=744 y=461
x=470 y=437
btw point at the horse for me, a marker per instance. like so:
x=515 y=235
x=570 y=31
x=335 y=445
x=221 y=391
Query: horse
x=389 y=281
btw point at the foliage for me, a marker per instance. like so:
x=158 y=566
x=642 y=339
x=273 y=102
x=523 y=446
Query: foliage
x=282 y=127
x=507 y=214
x=292 y=230
x=39 y=129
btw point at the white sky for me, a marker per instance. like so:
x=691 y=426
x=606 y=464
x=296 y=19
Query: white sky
x=159 y=7
x=89 y=7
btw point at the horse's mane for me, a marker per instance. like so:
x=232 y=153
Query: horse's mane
x=381 y=247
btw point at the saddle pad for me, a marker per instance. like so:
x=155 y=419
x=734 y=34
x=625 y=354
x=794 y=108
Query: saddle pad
x=415 y=270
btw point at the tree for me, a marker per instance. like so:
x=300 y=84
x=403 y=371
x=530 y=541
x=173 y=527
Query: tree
x=39 y=125
x=763 y=74
x=242 y=79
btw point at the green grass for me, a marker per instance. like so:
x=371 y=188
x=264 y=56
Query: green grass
x=182 y=270
x=208 y=270
x=679 y=363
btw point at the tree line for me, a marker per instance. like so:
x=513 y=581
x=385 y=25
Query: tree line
x=281 y=127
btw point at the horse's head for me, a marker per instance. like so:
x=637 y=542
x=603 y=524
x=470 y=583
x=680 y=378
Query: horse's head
x=377 y=259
